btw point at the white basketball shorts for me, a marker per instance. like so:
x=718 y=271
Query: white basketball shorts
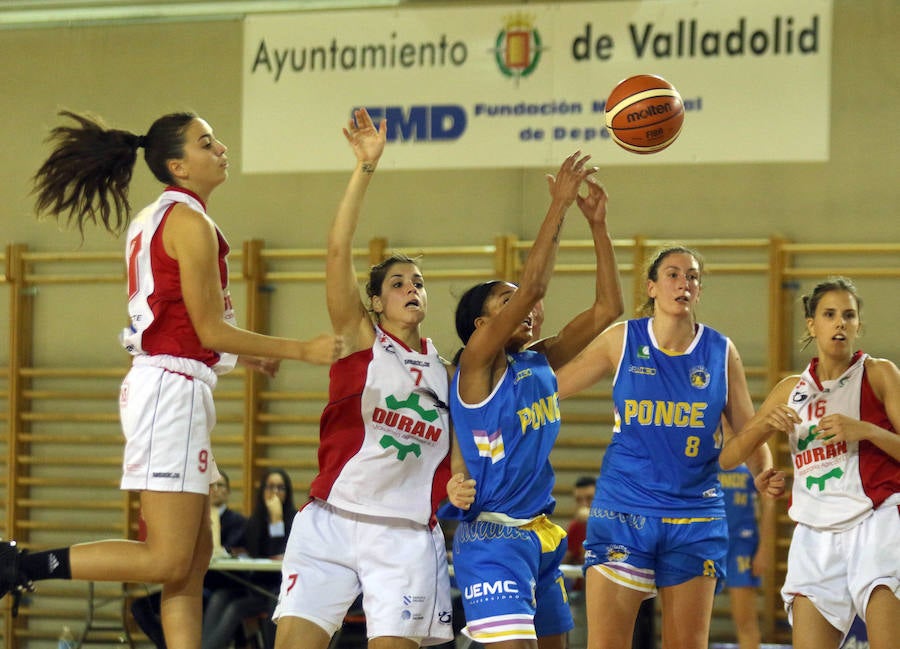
x=837 y=571
x=400 y=567
x=166 y=418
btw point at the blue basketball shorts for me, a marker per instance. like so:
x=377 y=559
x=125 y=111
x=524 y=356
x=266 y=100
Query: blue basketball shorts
x=645 y=553
x=510 y=580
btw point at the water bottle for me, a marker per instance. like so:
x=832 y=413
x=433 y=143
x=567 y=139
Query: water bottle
x=66 y=639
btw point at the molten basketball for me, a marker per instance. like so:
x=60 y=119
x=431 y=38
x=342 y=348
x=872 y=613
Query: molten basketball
x=644 y=114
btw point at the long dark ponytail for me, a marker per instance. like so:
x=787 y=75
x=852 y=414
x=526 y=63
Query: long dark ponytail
x=87 y=175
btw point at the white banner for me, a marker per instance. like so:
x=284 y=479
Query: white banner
x=525 y=85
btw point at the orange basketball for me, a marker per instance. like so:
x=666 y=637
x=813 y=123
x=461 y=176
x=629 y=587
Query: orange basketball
x=644 y=113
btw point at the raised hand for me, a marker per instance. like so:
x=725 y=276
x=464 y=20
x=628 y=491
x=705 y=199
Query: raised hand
x=593 y=206
x=565 y=185
x=366 y=141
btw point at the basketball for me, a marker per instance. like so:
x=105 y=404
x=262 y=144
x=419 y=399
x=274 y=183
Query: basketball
x=644 y=114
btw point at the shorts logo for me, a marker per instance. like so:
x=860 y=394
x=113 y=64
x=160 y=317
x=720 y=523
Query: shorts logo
x=699 y=377
x=161 y=474
x=445 y=617
x=616 y=553
x=415 y=601
x=491 y=590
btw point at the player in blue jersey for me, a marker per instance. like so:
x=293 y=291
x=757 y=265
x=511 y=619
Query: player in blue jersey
x=750 y=520
x=504 y=405
x=657 y=523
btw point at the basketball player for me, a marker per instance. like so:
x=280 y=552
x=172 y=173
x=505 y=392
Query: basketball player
x=182 y=336
x=383 y=454
x=657 y=523
x=841 y=417
x=506 y=551
x=748 y=557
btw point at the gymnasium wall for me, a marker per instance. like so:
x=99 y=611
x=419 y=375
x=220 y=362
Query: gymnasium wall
x=130 y=74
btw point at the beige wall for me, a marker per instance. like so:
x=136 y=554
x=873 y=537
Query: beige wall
x=131 y=74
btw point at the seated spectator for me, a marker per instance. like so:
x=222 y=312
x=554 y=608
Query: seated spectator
x=265 y=536
x=583 y=492
x=228 y=534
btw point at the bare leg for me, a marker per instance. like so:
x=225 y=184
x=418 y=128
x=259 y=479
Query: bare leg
x=883 y=619
x=392 y=642
x=173 y=524
x=558 y=641
x=298 y=633
x=686 y=613
x=611 y=612
x=175 y=554
x=745 y=616
x=810 y=629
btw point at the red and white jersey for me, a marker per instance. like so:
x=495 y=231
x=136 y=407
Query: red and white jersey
x=838 y=484
x=160 y=324
x=385 y=433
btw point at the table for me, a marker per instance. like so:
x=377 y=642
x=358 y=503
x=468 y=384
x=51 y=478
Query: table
x=231 y=567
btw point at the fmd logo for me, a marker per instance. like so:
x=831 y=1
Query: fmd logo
x=518 y=47
x=421 y=123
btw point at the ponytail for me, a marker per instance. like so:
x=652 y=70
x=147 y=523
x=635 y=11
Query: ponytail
x=87 y=175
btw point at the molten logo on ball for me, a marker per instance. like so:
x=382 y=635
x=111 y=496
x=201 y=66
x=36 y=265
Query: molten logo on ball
x=644 y=114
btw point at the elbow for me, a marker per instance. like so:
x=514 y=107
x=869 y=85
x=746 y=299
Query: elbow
x=210 y=338
x=727 y=462
x=614 y=310
x=533 y=289
x=605 y=313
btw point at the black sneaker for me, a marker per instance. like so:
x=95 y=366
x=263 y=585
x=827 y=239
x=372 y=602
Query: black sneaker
x=12 y=579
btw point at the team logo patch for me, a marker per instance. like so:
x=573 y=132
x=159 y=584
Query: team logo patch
x=699 y=377
x=489 y=444
x=616 y=553
x=412 y=403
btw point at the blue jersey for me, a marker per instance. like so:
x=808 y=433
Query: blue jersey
x=506 y=439
x=740 y=502
x=663 y=457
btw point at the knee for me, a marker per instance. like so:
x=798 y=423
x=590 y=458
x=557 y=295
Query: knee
x=173 y=568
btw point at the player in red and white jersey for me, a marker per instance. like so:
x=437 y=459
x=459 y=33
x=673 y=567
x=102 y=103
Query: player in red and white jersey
x=182 y=334
x=842 y=418
x=369 y=527
x=160 y=322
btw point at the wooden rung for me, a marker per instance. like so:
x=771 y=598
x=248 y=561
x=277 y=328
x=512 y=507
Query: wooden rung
x=71 y=504
x=287 y=440
x=67 y=482
x=66 y=526
x=71 y=417
x=45 y=460
x=95 y=439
